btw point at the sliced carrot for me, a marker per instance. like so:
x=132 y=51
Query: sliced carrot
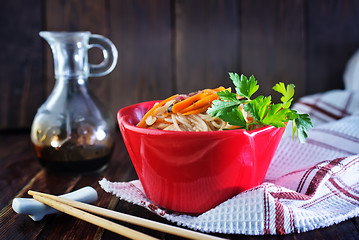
x=178 y=107
x=220 y=89
x=142 y=123
x=197 y=103
x=250 y=119
x=198 y=110
x=214 y=90
x=200 y=103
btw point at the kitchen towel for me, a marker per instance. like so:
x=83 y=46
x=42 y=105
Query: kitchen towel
x=307 y=186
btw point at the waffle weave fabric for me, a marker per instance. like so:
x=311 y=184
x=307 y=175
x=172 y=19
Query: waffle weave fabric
x=307 y=186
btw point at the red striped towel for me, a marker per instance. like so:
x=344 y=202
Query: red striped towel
x=307 y=186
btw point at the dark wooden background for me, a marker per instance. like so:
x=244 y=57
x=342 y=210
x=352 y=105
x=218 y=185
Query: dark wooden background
x=168 y=46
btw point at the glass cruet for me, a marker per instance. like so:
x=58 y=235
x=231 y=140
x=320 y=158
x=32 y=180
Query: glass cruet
x=72 y=131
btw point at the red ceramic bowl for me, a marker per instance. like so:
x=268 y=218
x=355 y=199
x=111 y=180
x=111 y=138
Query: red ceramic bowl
x=193 y=172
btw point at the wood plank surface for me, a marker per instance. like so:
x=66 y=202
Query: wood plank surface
x=120 y=169
x=333 y=37
x=18 y=165
x=20 y=63
x=174 y=46
x=273 y=44
x=207 y=43
x=142 y=30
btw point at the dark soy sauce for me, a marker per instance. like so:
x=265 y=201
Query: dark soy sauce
x=70 y=159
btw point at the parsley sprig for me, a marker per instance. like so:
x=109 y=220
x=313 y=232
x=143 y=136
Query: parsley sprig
x=261 y=108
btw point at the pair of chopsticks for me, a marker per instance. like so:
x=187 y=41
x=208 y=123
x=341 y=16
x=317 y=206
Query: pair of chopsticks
x=78 y=210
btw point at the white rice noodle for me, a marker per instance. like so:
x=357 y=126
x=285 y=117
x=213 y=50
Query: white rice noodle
x=163 y=119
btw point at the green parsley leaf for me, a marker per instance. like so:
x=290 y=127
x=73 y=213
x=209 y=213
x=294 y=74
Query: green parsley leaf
x=276 y=116
x=287 y=93
x=235 y=118
x=228 y=111
x=263 y=111
x=227 y=96
x=244 y=87
x=219 y=107
x=302 y=123
x=258 y=107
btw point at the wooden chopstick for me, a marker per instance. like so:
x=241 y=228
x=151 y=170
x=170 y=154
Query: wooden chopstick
x=104 y=223
x=128 y=218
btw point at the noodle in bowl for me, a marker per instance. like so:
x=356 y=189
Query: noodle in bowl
x=188 y=112
x=187 y=164
x=178 y=122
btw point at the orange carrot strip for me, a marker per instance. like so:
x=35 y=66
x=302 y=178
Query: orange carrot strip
x=177 y=107
x=142 y=123
x=250 y=119
x=219 y=89
x=214 y=90
x=200 y=103
x=198 y=110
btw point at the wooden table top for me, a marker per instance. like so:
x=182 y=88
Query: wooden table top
x=20 y=172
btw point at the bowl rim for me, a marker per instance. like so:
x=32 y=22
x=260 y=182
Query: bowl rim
x=121 y=118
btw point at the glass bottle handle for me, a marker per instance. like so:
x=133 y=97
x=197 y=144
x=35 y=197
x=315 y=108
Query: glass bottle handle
x=109 y=52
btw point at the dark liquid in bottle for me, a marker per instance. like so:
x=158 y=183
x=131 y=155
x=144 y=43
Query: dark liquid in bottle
x=69 y=158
